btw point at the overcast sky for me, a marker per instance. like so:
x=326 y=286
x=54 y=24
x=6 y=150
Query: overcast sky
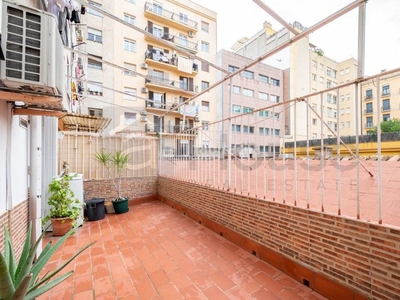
x=244 y=18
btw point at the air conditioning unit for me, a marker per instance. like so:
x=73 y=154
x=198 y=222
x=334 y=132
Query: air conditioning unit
x=144 y=66
x=33 y=51
x=143 y=113
x=191 y=34
x=144 y=90
x=143 y=118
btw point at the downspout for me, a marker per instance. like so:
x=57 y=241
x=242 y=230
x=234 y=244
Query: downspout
x=9 y=204
x=35 y=194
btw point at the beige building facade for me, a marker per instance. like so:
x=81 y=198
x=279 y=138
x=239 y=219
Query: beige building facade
x=158 y=61
x=380 y=102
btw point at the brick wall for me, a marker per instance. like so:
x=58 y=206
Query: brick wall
x=336 y=256
x=134 y=188
x=17 y=222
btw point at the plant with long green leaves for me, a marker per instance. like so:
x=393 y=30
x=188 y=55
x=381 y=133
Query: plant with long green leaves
x=20 y=280
x=117 y=160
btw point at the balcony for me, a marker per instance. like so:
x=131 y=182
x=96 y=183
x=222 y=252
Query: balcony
x=175 y=85
x=385 y=93
x=369 y=111
x=171 y=62
x=385 y=108
x=166 y=17
x=368 y=97
x=179 y=41
x=369 y=125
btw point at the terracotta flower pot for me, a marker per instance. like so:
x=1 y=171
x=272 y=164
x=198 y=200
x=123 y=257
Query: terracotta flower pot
x=61 y=225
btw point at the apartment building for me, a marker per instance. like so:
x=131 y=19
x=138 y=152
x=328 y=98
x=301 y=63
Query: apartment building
x=382 y=101
x=310 y=71
x=159 y=53
x=261 y=86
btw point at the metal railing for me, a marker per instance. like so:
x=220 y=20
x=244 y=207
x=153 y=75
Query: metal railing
x=178 y=17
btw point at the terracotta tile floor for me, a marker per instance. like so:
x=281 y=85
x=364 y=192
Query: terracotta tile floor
x=154 y=252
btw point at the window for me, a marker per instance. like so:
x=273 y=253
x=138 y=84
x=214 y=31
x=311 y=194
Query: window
x=335 y=126
x=368 y=108
x=314 y=121
x=205 y=26
x=205 y=66
x=205 y=106
x=248 y=74
x=262 y=96
x=277 y=131
x=314 y=106
x=248 y=110
x=130 y=69
x=129 y=19
x=328 y=84
x=386 y=117
x=236 y=89
x=205 y=144
x=251 y=129
x=94 y=35
x=314 y=136
x=274 y=81
x=386 y=105
x=129 y=45
x=183 y=18
x=92 y=11
x=348 y=124
x=157 y=8
x=334 y=101
x=329 y=98
x=274 y=98
x=232 y=69
x=96 y=112
x=95 y=88
x=347 y=110
x=204 y=85
x=130 y=118
x=335 y=113
x=205 y=47
x=347 y=97
x=266 y=131
x=330 y=124
x=321 y=79
x=205 y=125
x=341 y=72
x=347 y=70
x=261 y=130
x=321 y=66
x=385 y=90
x=334 y=73
x=368 y=94
x=248 y=93
x=329 y=113
x=341 y=124
x=132 y=1
x=277 y=116
x=236 y=128
x=342 y=111
x=263 y=78
x=94 y=64
x=341 y=98
x=236 y=109
x=130 y=94
x=261 y=149
x=245 y=129
x=313 y=63
x=369 y=123
x=314 y=77
x=328 y=71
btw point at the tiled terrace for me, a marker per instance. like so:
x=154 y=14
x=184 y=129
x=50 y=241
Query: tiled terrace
x=155 y=252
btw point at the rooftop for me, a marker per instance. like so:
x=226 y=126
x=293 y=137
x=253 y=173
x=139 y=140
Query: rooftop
x=155 y=252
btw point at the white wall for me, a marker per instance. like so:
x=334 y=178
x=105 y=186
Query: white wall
x=3 y=148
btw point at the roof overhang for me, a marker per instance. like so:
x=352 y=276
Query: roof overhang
x=80 y=122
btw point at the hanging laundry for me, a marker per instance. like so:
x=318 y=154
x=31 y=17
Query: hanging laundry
x=83 y=10
x=75 y=17
x=62 y=25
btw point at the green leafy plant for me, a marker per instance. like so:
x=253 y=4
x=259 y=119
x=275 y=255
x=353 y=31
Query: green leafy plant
x=117 y=161
x=62 y=200
x=19 y=280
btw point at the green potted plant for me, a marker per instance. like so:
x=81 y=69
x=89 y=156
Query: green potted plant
x=65 y=208
x=115 y=161
x=20 y=279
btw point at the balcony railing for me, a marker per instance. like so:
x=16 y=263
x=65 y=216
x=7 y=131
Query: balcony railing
x=369 y=111
x=176 y=39
x=173 y=83
x=386 y=107
x=177 y=17
x=161 y=57
x=369 y=125
x=369 y=97
x=386 y=93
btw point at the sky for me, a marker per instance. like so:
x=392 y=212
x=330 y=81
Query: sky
x=338 y=40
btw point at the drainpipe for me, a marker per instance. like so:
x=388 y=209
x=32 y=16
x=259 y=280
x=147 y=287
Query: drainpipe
x=9 y=204
x=35 y=195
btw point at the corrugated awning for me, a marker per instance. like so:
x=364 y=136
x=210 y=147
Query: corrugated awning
x=81 y=122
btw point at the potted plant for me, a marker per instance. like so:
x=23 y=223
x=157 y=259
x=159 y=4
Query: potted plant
x=64 y=206
x=116 y=161
x=21 y=279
